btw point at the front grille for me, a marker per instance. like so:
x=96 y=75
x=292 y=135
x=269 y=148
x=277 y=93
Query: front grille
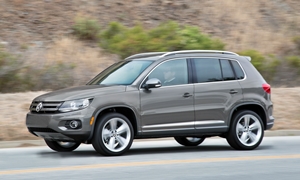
x=46 y=107
x=34 y=129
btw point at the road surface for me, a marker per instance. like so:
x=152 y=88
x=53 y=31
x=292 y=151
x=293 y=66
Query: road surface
x=276 y=158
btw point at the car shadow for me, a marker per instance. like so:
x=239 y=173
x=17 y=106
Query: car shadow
x=148 y=151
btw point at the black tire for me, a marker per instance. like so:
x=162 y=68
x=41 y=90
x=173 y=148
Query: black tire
x=189 y=141
x=243 y=135
x=61 y=146
x=113 y=135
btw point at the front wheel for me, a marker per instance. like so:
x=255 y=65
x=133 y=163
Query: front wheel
x=113 y=135
x=246 y=131
x=189 y=141
x=61 y=146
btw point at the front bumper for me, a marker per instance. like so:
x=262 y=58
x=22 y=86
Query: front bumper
x=53 y=126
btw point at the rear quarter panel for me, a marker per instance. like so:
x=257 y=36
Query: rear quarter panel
x=252 y=88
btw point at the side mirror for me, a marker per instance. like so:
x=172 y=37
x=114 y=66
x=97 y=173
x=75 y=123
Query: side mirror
x=152 y=83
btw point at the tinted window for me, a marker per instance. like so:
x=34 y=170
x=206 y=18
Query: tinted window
x=172 y=72
x=238 y=70
x=208 y=70
x=227 y=70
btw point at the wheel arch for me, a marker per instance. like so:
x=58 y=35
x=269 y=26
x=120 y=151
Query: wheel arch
x=124 y=110
x=255 y=107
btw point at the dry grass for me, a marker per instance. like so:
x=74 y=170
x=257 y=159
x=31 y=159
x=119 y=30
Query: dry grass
x=286 y=108
x=13 y=113
x=254 y=24
x=15 y=106
x=86 y=61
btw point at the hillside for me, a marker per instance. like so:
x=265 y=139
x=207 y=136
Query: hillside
x=264 y=25
x=41 y=31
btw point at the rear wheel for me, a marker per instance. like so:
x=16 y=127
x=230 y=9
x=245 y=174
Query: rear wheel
x=246 y=131
x=113 y=135
x=189 y=141
x=61 y=146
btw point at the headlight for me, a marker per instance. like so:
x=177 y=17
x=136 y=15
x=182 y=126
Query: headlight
x=75 y=105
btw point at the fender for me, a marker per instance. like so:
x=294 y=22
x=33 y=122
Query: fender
x=242 y=104
x=108 y=107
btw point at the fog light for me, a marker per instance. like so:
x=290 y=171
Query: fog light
x=74 y=124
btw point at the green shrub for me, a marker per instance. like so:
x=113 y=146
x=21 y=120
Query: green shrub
x=296 y=40
x=294 y=62
x=266 y=65
x=107 y=36
x=168 y=36
x=54 y=77
x=10 y=67
x=16 y=77
x=257 y=59
x=86 y=28
x=192 y=38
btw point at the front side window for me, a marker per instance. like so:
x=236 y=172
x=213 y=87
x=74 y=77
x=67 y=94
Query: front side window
x=208 y=70
x=121 y=73
x=173 y=72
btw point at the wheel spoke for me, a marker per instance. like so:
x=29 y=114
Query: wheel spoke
x=252 y=136
x=113 y=124
x=254 y=126
x=106 y=133
x=240 y=127
x=111 y=143
x=123 y=128
x=244 y=137
x=247 y=121
x=121 y=140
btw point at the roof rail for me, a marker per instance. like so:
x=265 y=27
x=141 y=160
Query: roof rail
x=141 y=55
x=199 y=51
x=163 y=54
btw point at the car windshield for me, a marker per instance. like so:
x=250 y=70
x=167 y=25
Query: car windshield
x=121 y=73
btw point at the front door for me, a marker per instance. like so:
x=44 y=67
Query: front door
x=170 y=107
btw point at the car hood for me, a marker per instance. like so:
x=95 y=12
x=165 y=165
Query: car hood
x=80 y=92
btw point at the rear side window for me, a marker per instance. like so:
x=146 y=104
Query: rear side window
x=208 y=70
x=238 y=70
x=227 y=70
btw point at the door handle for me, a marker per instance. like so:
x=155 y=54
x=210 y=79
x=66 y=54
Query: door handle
x=187 y=95
x=232 y=91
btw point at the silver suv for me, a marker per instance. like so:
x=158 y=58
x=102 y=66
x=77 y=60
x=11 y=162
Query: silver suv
x=188 y=95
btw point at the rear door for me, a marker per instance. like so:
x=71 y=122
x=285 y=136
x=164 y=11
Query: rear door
x=216 y=92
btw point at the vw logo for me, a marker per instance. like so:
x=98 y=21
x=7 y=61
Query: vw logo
x=39 y=107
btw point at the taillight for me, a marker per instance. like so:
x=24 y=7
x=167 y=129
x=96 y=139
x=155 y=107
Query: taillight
x=267 y=88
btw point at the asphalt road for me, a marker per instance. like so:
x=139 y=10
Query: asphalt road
x=276 y=158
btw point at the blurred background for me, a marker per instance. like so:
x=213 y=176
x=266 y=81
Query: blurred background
x=47 y=45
